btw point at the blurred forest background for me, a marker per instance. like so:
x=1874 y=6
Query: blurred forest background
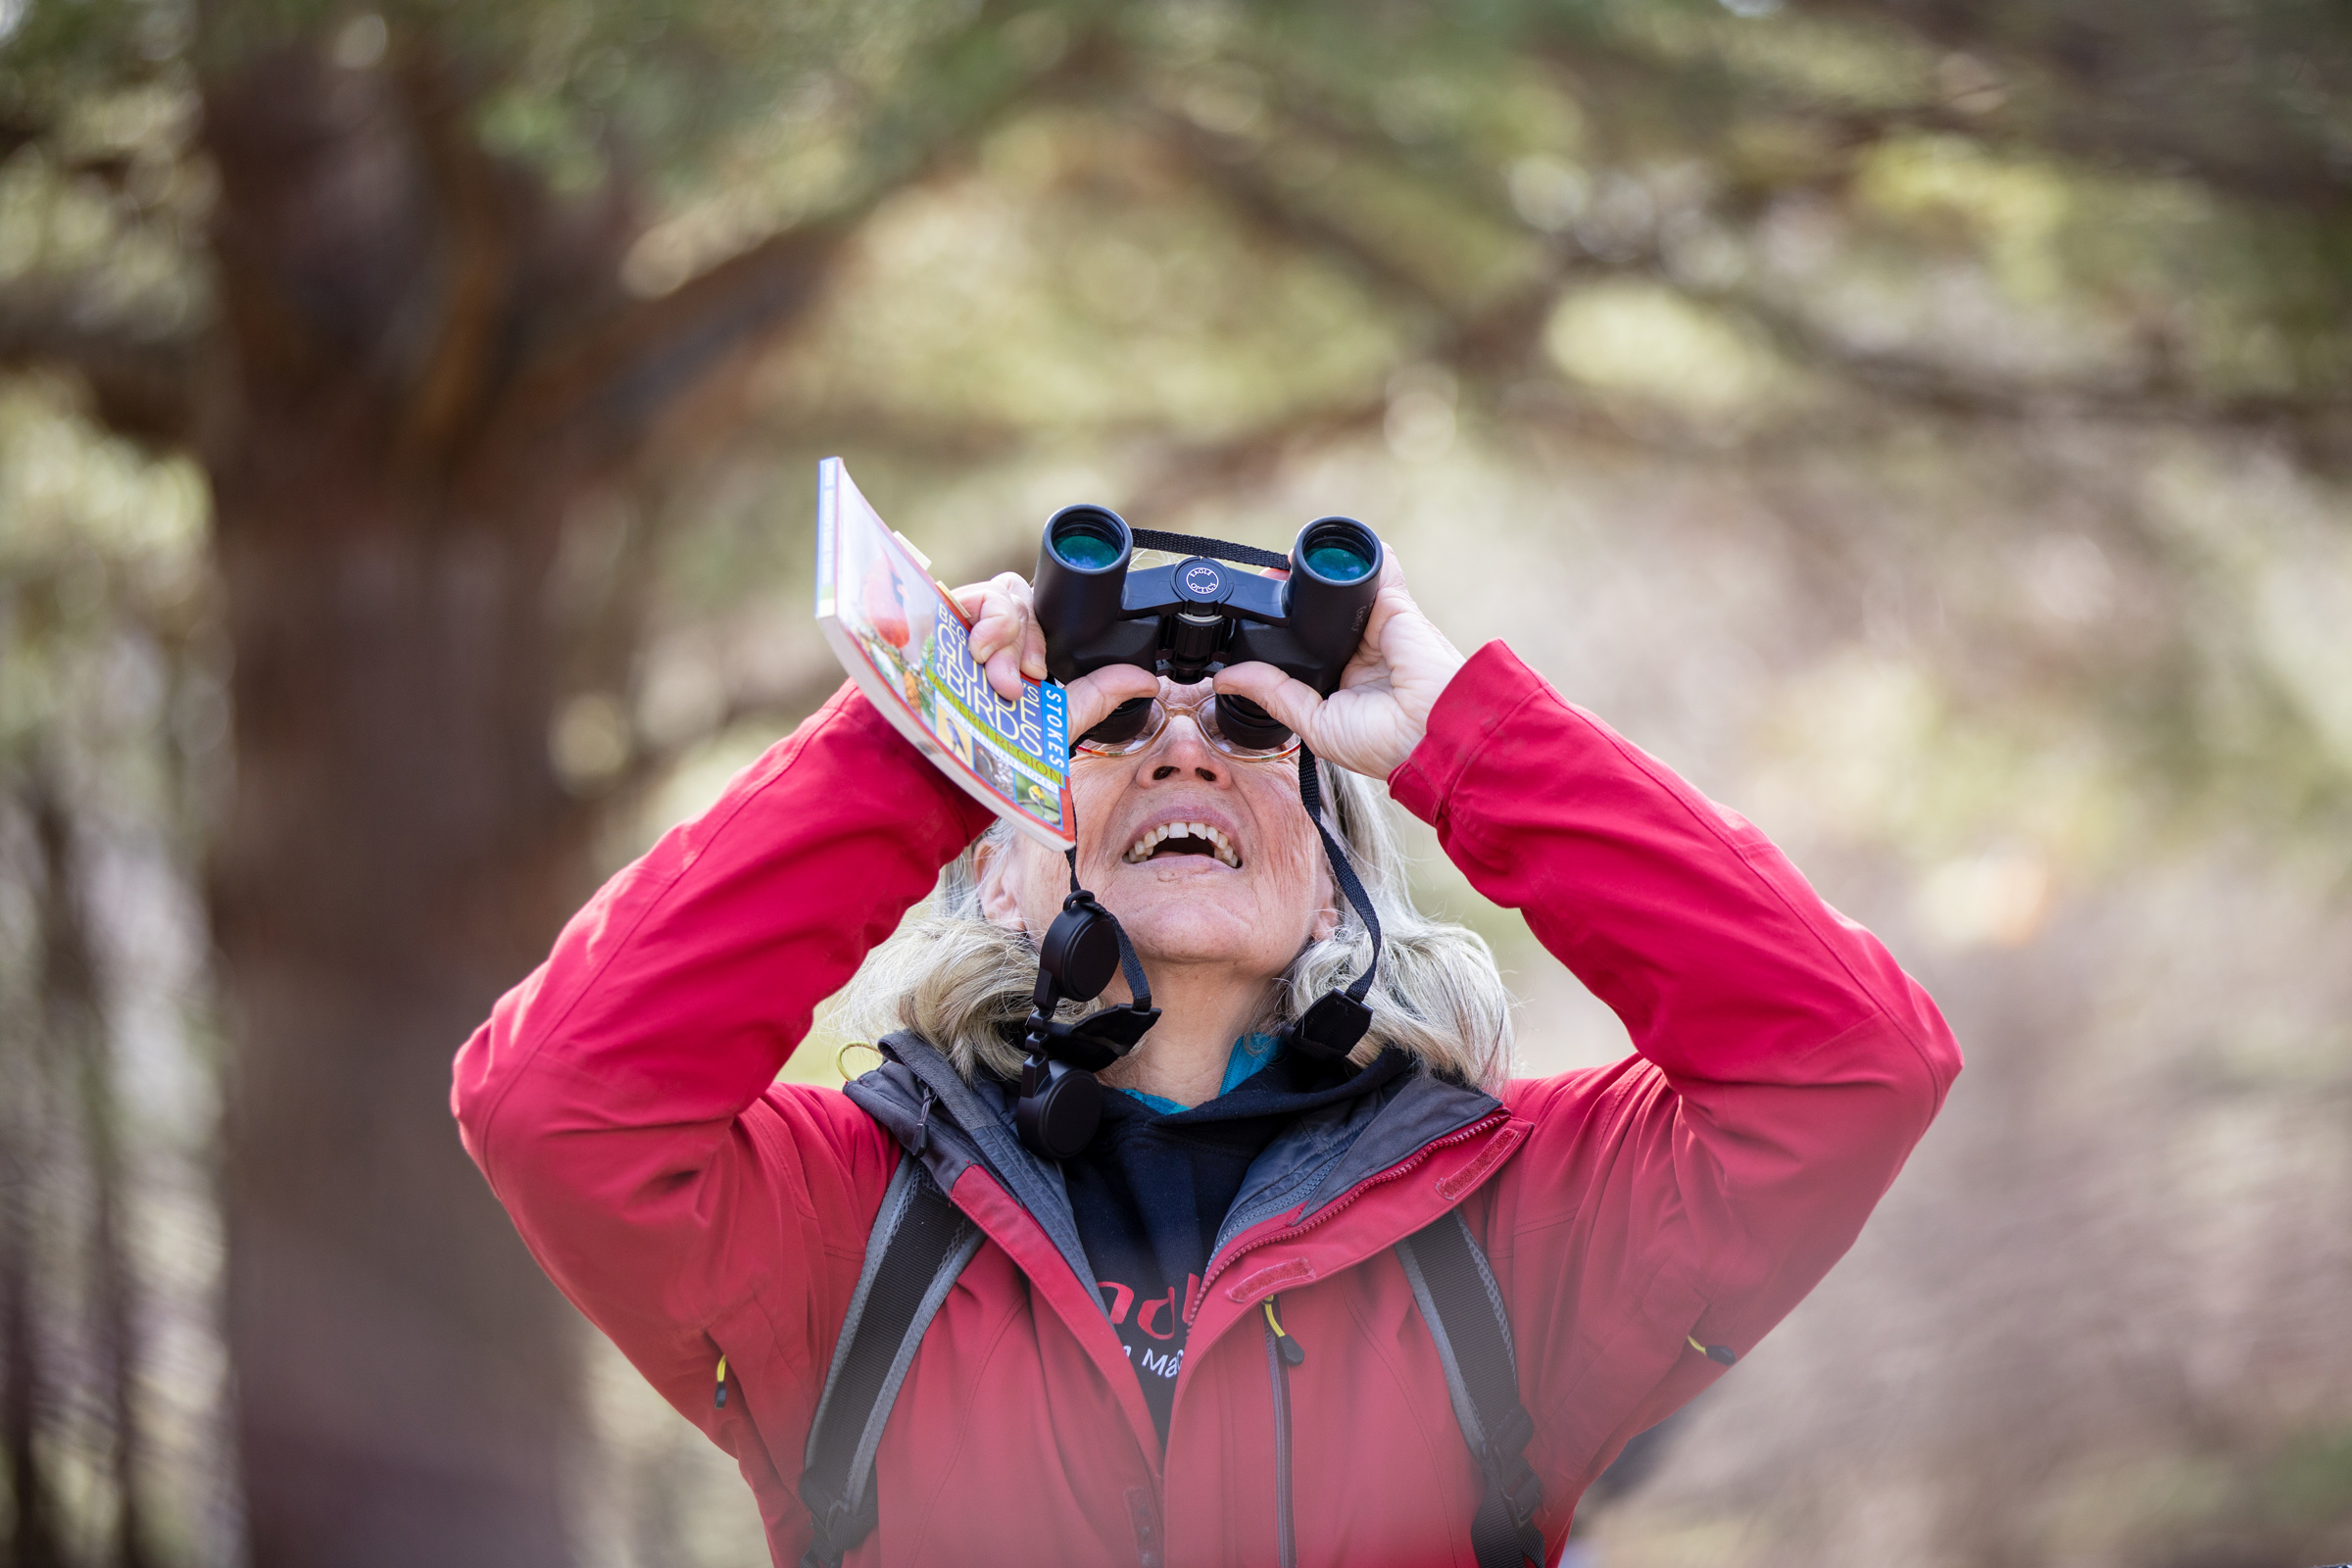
x=1927 y=425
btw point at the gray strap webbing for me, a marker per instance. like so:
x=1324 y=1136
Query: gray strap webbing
x=919 y=1244
x=1463 y=1307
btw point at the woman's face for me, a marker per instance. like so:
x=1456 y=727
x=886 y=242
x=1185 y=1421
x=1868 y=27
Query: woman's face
x=1250 y=894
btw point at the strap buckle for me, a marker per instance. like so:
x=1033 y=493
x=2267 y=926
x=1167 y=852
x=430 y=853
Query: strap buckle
x=836 y=1527
x=1331 y=1028
x=1512 y=1434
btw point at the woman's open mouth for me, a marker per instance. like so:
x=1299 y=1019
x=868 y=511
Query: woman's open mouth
x=1172 y=839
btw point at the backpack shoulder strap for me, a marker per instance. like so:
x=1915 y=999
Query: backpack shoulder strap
x=1463 y=1307
x=919 y=1244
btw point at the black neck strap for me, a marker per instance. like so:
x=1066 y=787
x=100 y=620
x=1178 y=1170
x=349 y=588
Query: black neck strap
x=1351 y=887
x=1310 y=792
x=1138 y=987
x=1192 y=544
x=1060 y=1104
x=1310 y=796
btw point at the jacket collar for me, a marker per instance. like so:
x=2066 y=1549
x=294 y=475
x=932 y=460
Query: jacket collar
x=951 y=1125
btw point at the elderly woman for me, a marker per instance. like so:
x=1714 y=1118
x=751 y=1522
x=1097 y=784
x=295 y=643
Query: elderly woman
x=1199 y=1339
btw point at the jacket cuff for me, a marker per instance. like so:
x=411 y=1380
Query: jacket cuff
x=1479 y=701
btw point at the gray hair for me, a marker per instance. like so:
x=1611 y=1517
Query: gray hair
x=962 y=982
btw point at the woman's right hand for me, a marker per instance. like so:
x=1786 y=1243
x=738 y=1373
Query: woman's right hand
x=1377 y=717
x=1011 y=645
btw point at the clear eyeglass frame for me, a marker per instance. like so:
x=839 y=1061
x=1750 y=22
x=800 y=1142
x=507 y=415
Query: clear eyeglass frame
x=1203 y=711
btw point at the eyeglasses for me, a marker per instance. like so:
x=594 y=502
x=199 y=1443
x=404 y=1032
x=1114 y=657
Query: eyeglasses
x=1135 y=724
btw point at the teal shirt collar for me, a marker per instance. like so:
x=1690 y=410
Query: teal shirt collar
x=1252 y=1056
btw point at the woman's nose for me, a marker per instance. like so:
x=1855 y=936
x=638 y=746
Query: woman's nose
x=1183 y=751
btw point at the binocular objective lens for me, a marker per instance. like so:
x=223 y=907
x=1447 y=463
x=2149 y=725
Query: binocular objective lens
x=1338 y=551
x=1336 y=563
x=1086 y=544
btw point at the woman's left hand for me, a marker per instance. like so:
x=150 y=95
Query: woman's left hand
x=1009 y=645
x=1378 y=714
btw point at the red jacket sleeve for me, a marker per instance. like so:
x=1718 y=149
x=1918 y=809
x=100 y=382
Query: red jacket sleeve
x=1787 y=1064
x=621 y=1101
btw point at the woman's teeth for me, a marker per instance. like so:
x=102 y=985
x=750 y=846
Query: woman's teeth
x=1140 y=850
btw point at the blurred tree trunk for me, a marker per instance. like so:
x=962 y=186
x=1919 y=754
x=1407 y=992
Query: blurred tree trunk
x=398 y=847
x=115 y=1296
x=404 y=1390
x=62 y=1061
x=31 y=1539
x=74 y=1029
x=430 y=364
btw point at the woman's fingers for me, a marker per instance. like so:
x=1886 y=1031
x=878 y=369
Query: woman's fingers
x=1400 y=655
x=1294 y=701
x=1006 y=641
x=1032 y=635
x=1009 y=645
x=1390 y=596
x=1091 y=698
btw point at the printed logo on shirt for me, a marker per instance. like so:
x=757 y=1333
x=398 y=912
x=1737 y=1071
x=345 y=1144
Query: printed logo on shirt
x=1152 y=1330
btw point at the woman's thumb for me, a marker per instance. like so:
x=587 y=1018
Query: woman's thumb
x=1293 y=702
x=1091 y=698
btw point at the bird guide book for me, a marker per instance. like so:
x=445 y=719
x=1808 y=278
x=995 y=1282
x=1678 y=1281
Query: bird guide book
x=910 y=649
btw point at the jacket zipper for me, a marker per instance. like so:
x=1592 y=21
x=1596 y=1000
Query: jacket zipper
x=1282 y=1353
x=1403 y=1168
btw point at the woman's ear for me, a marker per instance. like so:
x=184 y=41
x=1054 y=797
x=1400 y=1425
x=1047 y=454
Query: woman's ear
x=1327 y=919
x=992 y=866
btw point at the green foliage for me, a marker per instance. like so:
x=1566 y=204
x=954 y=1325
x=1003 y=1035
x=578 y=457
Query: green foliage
x=103 y=575
x=53 y=52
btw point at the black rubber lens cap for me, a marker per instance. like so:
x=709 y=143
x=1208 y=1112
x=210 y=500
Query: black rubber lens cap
x=1062 y=1121
x=1081 y=950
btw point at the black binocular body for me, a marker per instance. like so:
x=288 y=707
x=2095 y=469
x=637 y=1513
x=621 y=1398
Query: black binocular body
x=1192 y=618
x=1186 y=622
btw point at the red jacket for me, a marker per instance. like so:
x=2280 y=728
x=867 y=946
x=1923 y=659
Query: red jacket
x=622 y=1104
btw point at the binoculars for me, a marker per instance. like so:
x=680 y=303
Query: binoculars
x=1192 y=618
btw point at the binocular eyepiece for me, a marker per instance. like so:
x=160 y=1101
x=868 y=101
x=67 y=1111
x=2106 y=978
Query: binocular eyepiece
x=1191 y=620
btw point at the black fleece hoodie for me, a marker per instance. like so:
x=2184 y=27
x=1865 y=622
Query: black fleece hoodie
x=1153 y=1188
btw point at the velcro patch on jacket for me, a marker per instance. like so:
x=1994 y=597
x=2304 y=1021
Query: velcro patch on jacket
x=1296 y=1270
x=1498 y=1148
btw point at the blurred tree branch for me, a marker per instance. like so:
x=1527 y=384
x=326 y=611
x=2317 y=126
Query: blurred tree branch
x=141 y=385
x=1503 y=338
x=2233 y=96
x=614 y=382
x=477 y=216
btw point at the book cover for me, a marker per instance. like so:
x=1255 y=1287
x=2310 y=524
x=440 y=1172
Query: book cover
x=908 y=648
